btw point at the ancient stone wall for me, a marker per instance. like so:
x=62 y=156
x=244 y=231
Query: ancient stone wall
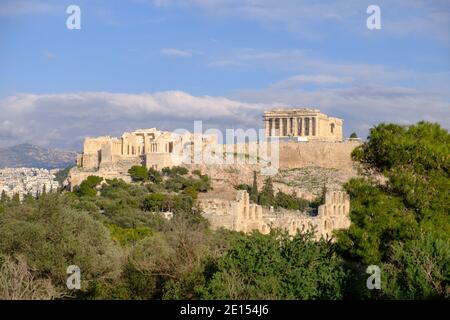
x=241 y=215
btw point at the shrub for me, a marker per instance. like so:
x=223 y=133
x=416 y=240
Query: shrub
x=138 y=173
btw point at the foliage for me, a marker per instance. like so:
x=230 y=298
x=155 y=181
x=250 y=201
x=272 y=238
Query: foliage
x=418 y=269
x=404 y=222
x=62 y=175
x=154 y=176
x=53 y=236
x=88 y=187
x=126 y=236
x=138 y=173
x=276 y=266
x=17 y=282
x=175 y=171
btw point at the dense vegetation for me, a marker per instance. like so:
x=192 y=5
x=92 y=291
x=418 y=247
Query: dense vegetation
x=269 y=198
x=126 y=249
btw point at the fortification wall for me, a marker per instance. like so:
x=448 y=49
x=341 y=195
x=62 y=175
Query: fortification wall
x=335 y=155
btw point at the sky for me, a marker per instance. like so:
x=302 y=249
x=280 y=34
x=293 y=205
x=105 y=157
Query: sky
x=165 y=63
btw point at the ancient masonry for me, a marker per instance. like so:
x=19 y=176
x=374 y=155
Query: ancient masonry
x=306 y=138
x=303 y=124
x=150 y=147
x=241 y=215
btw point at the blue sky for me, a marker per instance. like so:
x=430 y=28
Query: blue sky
x=165 y=63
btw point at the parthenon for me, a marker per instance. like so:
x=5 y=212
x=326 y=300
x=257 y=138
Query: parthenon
x=303 y=124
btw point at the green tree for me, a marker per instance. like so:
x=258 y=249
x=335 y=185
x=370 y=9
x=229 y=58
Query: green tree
x=276 y=266
x=267 y=197
x=353 y=135
x=53 y=236
x=155 y=202
x=418 y=269
x=387 y=218
x=138 y=173
x=88 y=187
x=154 y=176
x=4 y=197
x=254 y=189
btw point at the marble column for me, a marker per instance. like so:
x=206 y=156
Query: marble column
x=295 y=133
x=289 y=128
x=313 y=126
x=280 y=121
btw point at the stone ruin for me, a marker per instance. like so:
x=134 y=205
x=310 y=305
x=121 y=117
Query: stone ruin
x=241 y=215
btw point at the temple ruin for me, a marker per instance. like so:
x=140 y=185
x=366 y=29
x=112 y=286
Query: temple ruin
x=303 y=124
x=241 y=215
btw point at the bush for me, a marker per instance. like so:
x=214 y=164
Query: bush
x=154 y=176
x=276 y=266
x=138 y=173
x=53 y=236
x=175 y=171
x=156 y=202
x=88 y=186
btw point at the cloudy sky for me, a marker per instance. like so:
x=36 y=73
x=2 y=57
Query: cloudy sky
x=166 y=63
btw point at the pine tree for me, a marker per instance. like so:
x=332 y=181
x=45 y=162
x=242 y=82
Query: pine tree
x=254 y=191
x=16 y=198
x=4 y=198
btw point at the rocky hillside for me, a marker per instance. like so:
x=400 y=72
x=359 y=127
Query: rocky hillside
x=28 y=155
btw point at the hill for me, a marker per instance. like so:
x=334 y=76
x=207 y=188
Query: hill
x=28 y=155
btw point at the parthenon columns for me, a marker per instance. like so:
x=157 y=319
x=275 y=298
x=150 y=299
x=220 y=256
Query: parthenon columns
x=291 y=126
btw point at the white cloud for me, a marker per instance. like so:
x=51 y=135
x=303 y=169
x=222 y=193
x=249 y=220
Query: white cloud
x=304 y=17
x=176 y=52
x=26 y=7
x=362 y=107
x=314 y=79
x=64 y=120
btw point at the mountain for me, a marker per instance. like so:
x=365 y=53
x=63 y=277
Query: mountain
x=28 y=155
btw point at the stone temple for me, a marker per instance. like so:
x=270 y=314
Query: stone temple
x=307 y=139
x=150 y=147
x=303 y=124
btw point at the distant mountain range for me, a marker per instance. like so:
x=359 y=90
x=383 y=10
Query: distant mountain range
x=28 y=155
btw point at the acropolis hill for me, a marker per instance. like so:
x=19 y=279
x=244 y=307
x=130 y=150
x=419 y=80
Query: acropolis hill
x=307 y=141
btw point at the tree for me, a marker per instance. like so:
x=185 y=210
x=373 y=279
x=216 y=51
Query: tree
x=266 y=197
x=53 y=236
x=254 y=189
x=276 y=266
x=4 y=198
x=387 y=218
x=191 y=191
x=138 y=173
x=154 y=176
x=17 y=282
x=155 y=202
x=418 y=269
x=353 y=135
x=88 y=187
